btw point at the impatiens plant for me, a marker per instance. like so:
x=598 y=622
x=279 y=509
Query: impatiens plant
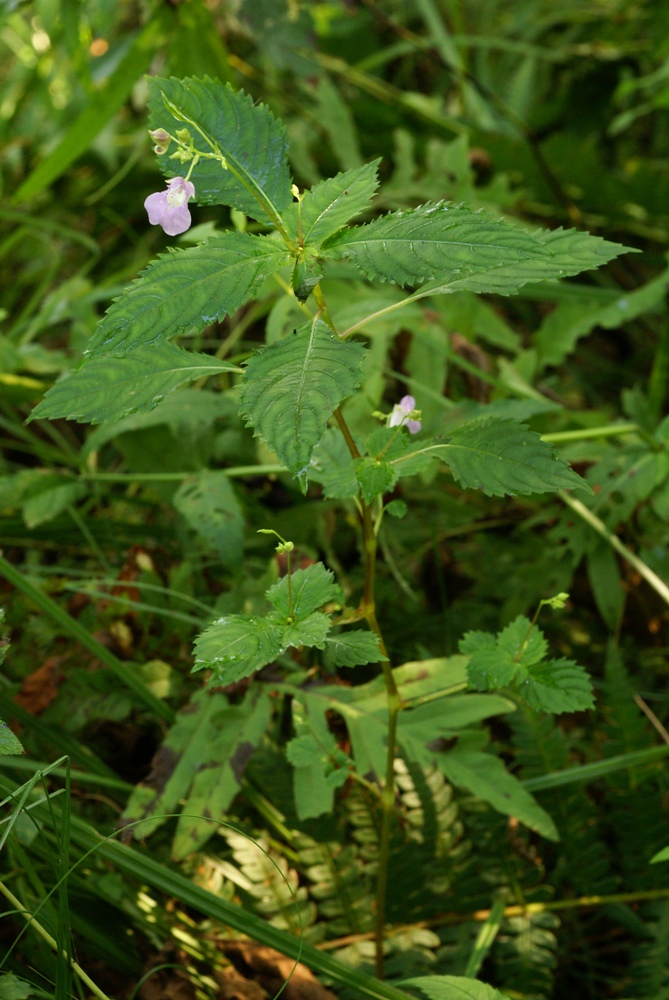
x=302 y=396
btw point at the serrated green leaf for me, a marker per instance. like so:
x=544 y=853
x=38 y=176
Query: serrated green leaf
x=453 y=988
x=13 y=988
x=236 y=646
x=434 y=241
x=352 y=649
x=186 y=289
x=387 y=443
x=525 y=643
x=304 y=751
x=308 y=631
x=9 y=744
x=557 y=686
x=310 y=588
x=375 y=477
x=292 y=387
x=252 y=141
x=210 y=506
x=569 y=252
x=332 y=466
x=330 y=204
x=502 y=457
x=489 y=666
x=111 y=386
x=485 y=776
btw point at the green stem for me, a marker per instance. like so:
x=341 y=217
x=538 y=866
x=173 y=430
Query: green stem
x=368 y=608
x=234 y=472
x=128 y=675
x=587 y=433
x=76 y=968
x=658 y=585
x=659 y=375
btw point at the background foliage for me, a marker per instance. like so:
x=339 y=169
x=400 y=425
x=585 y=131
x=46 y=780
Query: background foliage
x=121 y=541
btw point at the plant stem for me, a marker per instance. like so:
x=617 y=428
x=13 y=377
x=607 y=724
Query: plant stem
x=649 y=575
x=368 y=608
x=76 y=968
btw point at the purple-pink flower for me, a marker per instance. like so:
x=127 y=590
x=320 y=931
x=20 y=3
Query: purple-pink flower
x=401 y=413
x=169 y=209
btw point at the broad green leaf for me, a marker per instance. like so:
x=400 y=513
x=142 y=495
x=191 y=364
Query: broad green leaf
x=330 y=204
x=352 y=649
x=99 y=109
x=13 y=988
x=571 y=320
x=9 y=744
x=210 y=506
x=113 y=385
x=50 y=503
x=485 y=776
x=308 y=631
x=236 y=646
x=291 y=388
x=444 y=716
x=332 y=466
x=662 y=855
x=236 y=732
x=568 y=252
x=434 y=241
x=310 y=588
x=375 y=477
x=502 y=457
x=313 y=754
x=186 y=289
x=252 y=141
x=304 y=751
x=557 y=686
x=453 y=988
x=182 y=752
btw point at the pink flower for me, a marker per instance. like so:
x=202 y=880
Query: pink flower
x=169 y=209
x=401 y=412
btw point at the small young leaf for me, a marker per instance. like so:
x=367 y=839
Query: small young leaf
x=111 y=386
x=236 y=646
x=186 y=289
x=330 y=204
x=211 y=508
x=375 y=478
x=9 y=744
x=433 y=241
x=502 y=457
x=490 y=667
x=311 y=589
x=396 y=508
x=252 y=141
x=557 y=686
x=309 y=630
x=292 y=387
x=352 y=649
